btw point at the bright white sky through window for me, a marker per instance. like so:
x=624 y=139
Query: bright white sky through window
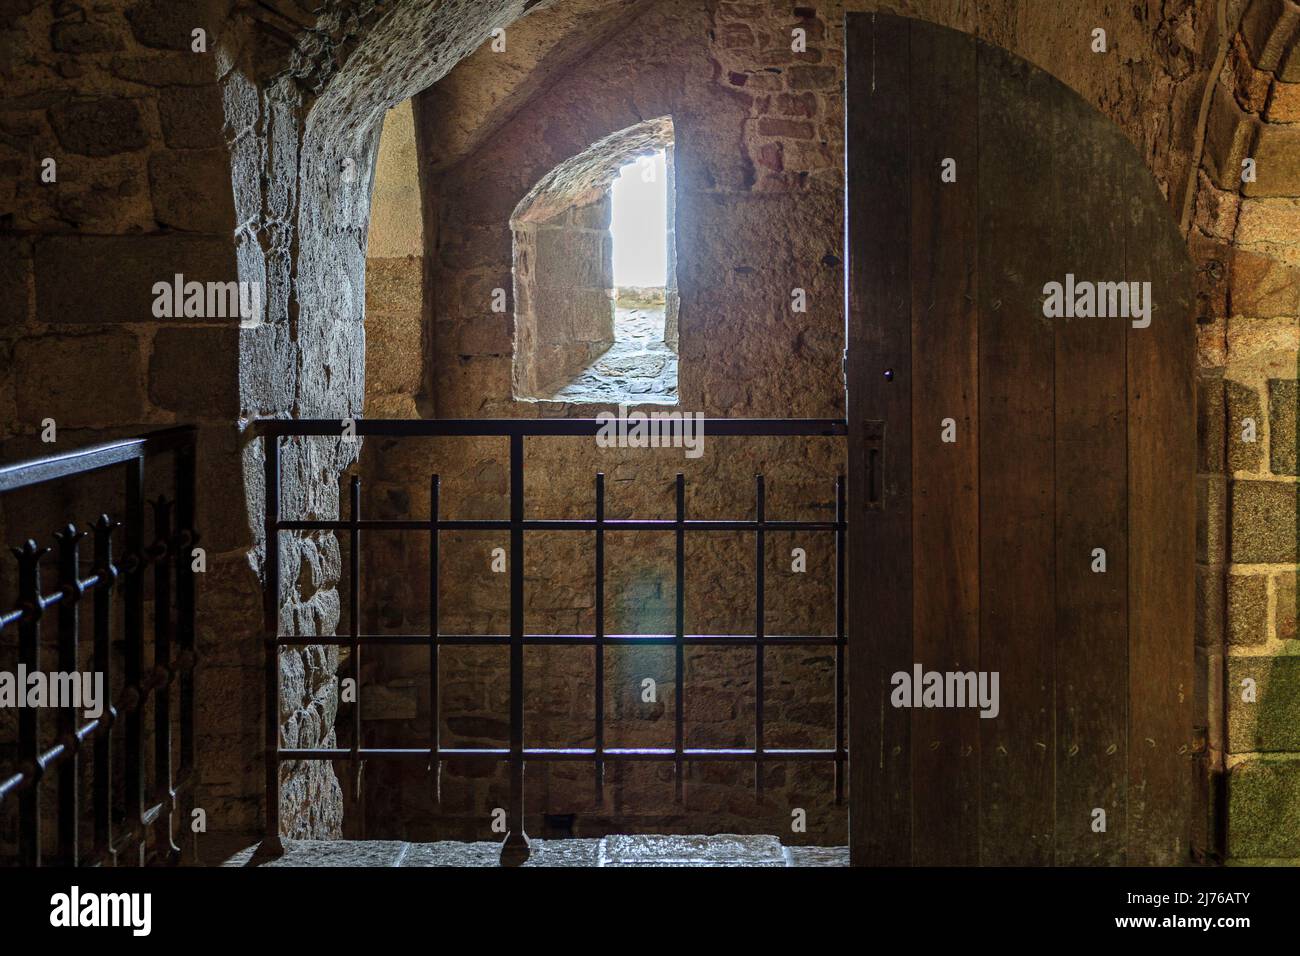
x=639 y=223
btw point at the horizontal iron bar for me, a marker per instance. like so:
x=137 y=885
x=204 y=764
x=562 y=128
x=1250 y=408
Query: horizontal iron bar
x=562 y=427
x=561 y=753
x=561 y=524
x=37 y=471
x=551 y=640
x=122 y=569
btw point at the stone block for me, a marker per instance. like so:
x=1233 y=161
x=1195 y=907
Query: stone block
x=488 y=334
x=1217 y=211
x=571 y=259
x=1266 y=342
x=397 y=285
x=195 y=372
x=1247 y=609
x=1229 y=135
x=789 y=129
x=1277 y=161
x=1263 y=526
x=224 y=518
x=78 y=380
x=1262 y=286
x=800 y=78
x=170 y=69
x=1245 y=418
x=1210 y=410
x=474 y=246
x=1284 y=606
x=795 y=104
x=394 y=352
x=1269 y=28
x=1264 y=809
x=73 y=36
x=1283 y=103
x=99 y=127
x=110 y=279
x=1250 y=85
x=1209 y=606
x=396 y=701
x=192 y=117
x=165 y=24
x=191 y=190
x=1271 y=224
x=1211 y=517
x=1282 y=405
x=15 y=280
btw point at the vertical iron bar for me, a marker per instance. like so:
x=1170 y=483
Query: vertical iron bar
x=271 y=844
x=134 y=664
x=162 y=702
x=515 y=848
x=29 y=718
x=434 y=556
x=760 y=554
x=600 y=637
x=679 y=668
x=354 y=625
x=103 y=611
x=69 y=814
x=188 y=539
x=839 y=640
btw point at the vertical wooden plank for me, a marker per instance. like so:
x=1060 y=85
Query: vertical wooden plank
x=1017 y=606
x=1091 y=494
x=880 y=459
x=1162 y=552
x=945 y=475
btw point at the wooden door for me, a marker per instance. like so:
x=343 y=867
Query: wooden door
x=1021 y=482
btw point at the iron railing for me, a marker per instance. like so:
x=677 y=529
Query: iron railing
x=141 y=831
x=515 y=846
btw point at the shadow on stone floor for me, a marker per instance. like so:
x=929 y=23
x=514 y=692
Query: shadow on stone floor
x=727 y=850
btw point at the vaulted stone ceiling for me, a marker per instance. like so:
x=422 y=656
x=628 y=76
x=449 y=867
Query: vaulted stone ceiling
x=488 y=87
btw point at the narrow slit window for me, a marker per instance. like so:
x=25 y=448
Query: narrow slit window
x=595 y=288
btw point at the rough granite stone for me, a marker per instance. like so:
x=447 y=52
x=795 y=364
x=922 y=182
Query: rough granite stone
x=1283 y=401
x=1245 y=419
x=1271 y=724
x=1263 y=522
x=1247 y=609
x=1264 y=809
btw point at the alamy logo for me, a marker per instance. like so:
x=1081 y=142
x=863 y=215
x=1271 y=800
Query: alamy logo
x=207 y=300
x=922 y=688
x=73 y=909
x=653 y=430
x=1099 y=300
x=82 y=691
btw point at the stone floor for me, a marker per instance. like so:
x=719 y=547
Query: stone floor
x=637 y=369
x=660 y=851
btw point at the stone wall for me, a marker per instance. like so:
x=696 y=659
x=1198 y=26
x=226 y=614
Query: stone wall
x=1246 y=238
x=564 y=283
x=131 y=116
x=394 y=325
x=248 y=157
